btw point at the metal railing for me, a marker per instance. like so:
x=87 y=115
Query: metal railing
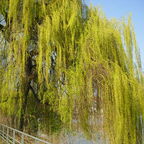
x=14 y=136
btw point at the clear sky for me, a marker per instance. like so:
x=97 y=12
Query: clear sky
x=122 y=8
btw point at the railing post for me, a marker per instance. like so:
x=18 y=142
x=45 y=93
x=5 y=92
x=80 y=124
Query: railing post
x=7 y=133
x=22 y=139
x=0 y=128
x=13 y=137
x=3 y=131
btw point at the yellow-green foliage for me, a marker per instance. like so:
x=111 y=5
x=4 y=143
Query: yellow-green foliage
x=95 y=73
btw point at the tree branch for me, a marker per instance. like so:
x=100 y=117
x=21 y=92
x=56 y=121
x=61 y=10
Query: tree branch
x=1 y=27
x=36 y=97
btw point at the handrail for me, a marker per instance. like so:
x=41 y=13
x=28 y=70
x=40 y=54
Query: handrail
x=8 y=134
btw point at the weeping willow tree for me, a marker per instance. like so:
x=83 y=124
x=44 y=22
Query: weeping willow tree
x=70 y=59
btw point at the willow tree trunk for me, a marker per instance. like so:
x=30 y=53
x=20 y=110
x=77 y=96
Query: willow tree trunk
x=23 y=108
x=25 y=89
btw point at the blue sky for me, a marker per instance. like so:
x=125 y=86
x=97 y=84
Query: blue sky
x=122 y=8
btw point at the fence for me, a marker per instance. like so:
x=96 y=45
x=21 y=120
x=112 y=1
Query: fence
x=13 y=136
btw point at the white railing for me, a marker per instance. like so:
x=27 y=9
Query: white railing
x=14 y=136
